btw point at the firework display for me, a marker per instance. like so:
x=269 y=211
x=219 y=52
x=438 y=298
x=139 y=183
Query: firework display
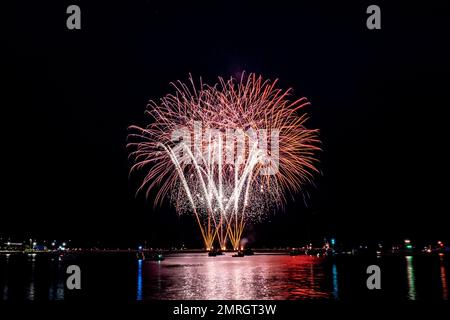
x=228 y=153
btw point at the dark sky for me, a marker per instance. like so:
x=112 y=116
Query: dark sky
x=380 y=99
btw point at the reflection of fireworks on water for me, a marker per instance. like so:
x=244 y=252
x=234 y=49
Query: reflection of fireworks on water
x=227 y=153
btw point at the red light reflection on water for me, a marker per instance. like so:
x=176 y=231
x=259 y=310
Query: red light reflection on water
x=223 y=277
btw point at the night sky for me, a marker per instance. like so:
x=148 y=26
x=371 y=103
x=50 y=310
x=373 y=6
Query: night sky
x=379 y=98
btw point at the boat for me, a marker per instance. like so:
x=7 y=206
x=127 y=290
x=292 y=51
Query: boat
x=155 y=256
x=212 y=253
x=239 y=254
x=215 y=252
x=248 y=252
x=158 y=256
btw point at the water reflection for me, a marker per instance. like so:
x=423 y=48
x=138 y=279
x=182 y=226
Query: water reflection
x=411 y=278
x=196 y=276
x=56 y=287
x=5 y=285
x=28 y=277
x=335 y=282
x=443 y=274
x=30 y=289
x=139 y=281
x=257 y=277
